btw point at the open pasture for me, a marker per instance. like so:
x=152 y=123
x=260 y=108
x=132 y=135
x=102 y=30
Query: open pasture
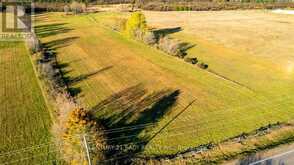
x=24 y=117
x=252 y=48
x=260 y=33
x=126 y=83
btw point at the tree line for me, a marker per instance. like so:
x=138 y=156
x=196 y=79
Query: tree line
x=154 y=1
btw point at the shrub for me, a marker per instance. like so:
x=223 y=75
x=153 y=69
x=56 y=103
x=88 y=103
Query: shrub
x=81 y=122
x=191 y=60
x=77 y=7
x=136 y=25
x=33 y=43
x=139 y=34
x=66 y=9
x=150 y=38
x=182 y=8
x=171 y=46
x=202 y=65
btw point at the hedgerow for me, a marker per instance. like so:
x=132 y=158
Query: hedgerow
x=136 y=28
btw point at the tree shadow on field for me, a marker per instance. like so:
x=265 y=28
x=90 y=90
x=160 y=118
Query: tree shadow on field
x=74 y=80
x=127 y=115
x=69 y=81
x=60 y=43
x=47 y=30
x=50 y=55
x=166 y=31
x=185 y=46
x=182 y=46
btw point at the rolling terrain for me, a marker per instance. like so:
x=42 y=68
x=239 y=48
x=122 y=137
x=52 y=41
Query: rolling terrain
x=170 y=105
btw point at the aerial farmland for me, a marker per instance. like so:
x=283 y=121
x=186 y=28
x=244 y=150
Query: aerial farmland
x=227 y=92
x=25 y=119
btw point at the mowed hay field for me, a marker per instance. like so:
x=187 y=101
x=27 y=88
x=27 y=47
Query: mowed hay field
x=252 y=48
x=24 y=117
x=260 y=33
x=127 y=83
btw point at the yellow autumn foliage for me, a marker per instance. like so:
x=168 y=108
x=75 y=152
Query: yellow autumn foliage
x=136 y=25
x=78 y=123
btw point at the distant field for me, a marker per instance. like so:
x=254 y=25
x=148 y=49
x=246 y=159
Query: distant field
x=24 y=117
x=260 y=33
x=250 y=47
x=128 y=83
